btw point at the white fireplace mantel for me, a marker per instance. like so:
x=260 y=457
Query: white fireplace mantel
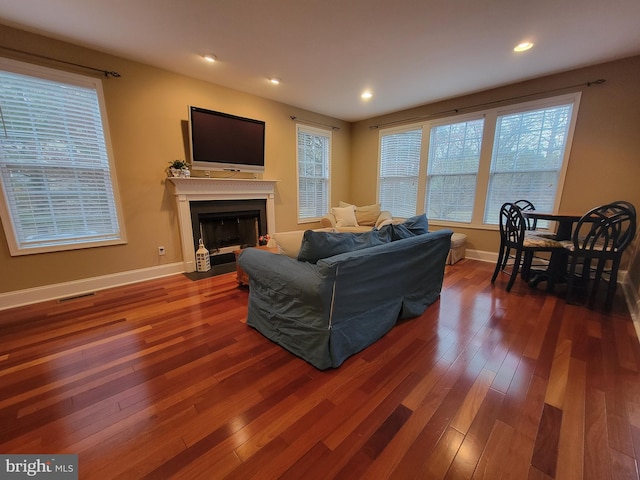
x=196 y=189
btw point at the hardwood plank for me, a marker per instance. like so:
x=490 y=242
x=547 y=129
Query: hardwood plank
x=596 y=456
x=528 y=419
x=559 y=374
x=438 y=463
x=516 y=462
x=466 y=460
x=545 y=452
x=635 y=434
x=571 y=441
x=164 y=379
x=371 y=449
x=622 y=466
x=310 y=465
x=467 y=412
x=490 y=464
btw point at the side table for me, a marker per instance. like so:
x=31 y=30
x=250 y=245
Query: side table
x=241 y=275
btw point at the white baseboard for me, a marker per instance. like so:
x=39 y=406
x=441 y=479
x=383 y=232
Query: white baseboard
x=481 y=255
x=632 y=295
x=88 y=285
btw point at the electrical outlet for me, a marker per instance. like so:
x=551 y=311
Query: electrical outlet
x=161 y=251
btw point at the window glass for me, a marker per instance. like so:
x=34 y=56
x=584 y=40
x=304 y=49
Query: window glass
x=475 y=163
x=313 y=149
x=55 y=171
x=399 y=167
x=528 y=153
x=454 y=158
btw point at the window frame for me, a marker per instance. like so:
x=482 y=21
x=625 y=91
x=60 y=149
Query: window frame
x=321 y=132
x=483 y=175
x=444 y=122
x=394 y=131
x=550 y=102
x=73 y=243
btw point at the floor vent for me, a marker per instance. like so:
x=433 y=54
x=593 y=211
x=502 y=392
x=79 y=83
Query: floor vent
x=76 y=297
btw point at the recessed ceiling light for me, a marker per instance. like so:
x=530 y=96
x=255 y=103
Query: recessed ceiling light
x=210 y=57
x=523 y=47
x=275 y=81
x=366 y=95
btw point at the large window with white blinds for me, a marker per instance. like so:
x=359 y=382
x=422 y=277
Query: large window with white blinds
x=454 y=158
x=473 y=164
x=314 y=158
x=399 y=166
x=56 y=174
x=528 y=152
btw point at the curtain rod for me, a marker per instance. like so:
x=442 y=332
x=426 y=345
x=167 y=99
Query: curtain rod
x=600 y=81
x=107 y=73
x=311 y=122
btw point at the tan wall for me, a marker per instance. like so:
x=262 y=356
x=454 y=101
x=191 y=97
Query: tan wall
x=147 y=110
x=604 y=163
x=147 y=113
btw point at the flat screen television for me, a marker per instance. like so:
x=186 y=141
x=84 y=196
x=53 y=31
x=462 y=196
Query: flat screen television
x=220 y=141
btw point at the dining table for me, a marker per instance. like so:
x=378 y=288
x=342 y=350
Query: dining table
x=556 y=271
x=565 y=221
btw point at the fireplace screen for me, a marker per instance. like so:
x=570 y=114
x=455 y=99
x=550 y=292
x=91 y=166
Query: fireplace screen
x=225 y=233
x=227 y=225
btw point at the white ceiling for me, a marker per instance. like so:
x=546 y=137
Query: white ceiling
x=407 y=52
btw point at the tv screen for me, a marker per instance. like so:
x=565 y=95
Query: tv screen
x=220 y=141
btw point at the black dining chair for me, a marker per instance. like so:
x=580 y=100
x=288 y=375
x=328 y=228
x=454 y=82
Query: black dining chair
x=600 y=236
x=526 y=205
x=516 y=243
x=531 y=225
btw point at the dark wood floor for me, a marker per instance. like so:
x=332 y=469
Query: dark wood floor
x=163 y=379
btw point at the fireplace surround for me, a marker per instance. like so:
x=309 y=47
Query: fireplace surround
x=193 y=194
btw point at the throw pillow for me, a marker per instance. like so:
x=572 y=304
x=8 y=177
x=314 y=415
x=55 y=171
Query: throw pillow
x=345 y=217
x=365 y=215
x=409 y=228
x=318 y=245
x=417 y=225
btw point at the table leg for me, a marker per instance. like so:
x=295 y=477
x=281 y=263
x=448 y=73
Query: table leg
x=555 y=272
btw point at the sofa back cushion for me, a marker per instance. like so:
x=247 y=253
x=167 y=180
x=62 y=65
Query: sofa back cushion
x=317 y=245
x=365 y=215
x=411 y=227
x=288 y=243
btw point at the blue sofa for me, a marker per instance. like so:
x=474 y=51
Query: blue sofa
x=326 y=311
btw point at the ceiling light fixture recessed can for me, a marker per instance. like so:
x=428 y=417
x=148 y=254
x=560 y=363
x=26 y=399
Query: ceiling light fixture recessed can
x=366 y=95
x=275 y=81
x=523 y=47
x=210 y=57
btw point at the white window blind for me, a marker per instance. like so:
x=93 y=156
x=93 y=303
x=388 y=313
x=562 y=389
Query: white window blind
x=454 y=158
x=528 y=154
x=399 y=166
x=314 y=146
x=54 y=167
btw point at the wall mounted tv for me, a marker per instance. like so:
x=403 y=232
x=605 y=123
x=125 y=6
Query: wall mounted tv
x=220 y=141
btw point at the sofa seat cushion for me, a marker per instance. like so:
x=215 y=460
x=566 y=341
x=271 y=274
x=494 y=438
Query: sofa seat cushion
x=318 y=245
